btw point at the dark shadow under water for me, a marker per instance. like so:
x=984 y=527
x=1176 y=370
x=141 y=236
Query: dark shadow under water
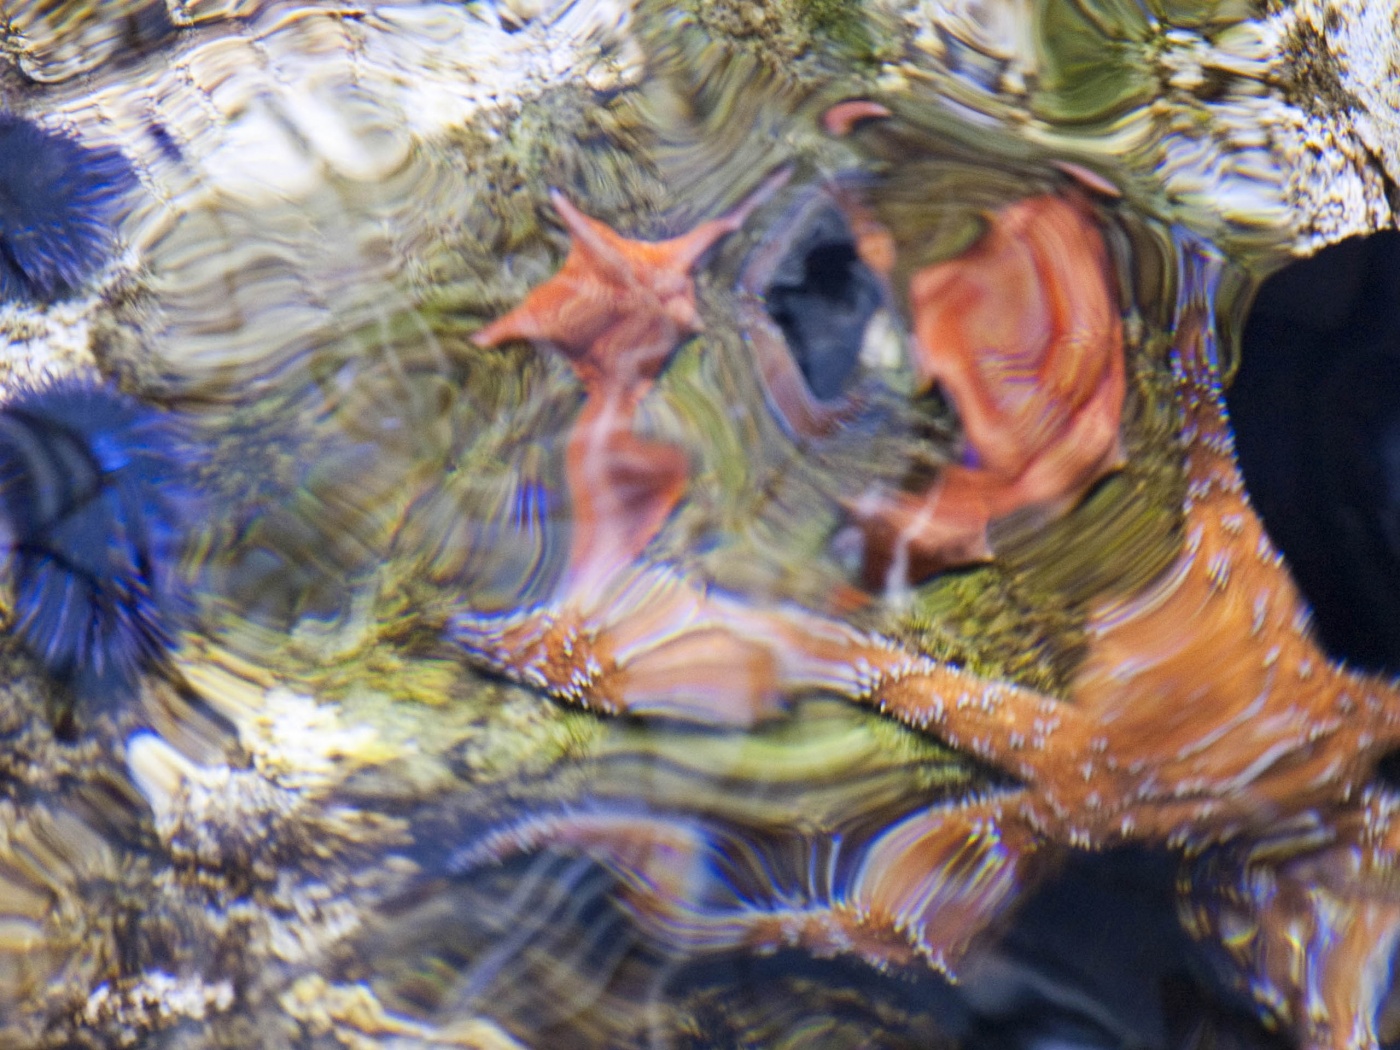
x=1316 y=410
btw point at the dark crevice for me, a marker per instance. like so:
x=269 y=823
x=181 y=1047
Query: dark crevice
x=1097 y=958
x=1316 y=410
x=822 y=297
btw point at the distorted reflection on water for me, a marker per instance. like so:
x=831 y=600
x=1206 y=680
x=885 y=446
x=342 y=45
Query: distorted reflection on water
x=672 y=525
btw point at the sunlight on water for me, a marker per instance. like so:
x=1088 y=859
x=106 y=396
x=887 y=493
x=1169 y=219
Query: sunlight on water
x=613 y=524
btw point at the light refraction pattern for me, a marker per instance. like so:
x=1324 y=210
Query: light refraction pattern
x=636 y=524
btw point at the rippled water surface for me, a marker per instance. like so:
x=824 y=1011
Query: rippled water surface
x=676 y=525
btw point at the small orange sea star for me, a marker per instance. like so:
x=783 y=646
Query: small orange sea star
x=618 y=306
x=616 y=310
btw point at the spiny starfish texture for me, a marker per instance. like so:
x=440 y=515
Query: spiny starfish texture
x=1203 y=716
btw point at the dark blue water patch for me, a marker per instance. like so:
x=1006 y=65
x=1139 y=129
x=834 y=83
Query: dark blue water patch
x=1316 y=410
x=794 y=1000
x=1097 y=958
x=58 y=200
x=94 y=502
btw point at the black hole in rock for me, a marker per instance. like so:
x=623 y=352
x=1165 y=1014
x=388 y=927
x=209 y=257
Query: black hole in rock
x=822 y=297
x=1316 y=410
x=1388 y=770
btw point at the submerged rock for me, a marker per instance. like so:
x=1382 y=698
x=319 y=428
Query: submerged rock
x=483 y=687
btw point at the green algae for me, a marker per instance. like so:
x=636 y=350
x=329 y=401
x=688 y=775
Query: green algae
x=1092 y=61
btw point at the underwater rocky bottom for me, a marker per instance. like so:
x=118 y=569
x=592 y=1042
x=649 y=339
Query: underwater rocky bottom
x=716 y=525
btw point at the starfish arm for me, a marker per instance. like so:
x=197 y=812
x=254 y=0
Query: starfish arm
x=558 y=312
x=571 y=312
x=925 y=888
x=661 y=854
x=1212 y=685
x=1059 y=476
x=1036 y=738
x=648 y=641
x=942 y=876
x=651 y=641
x=623 y=488
x=677 y=877
x=606 y=251
x=1024 y=334
x=506 y=329
x=645 y=641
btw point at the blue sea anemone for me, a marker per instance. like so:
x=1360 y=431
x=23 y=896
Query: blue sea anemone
x=57 y=202
x=94 y=497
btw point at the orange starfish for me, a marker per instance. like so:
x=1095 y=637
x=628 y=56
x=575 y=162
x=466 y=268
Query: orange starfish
x=1023 y=333
x=1202 y=717
x=618 y=307
x=616 y=310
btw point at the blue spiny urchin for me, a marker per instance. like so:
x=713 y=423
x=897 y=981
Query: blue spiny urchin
x=94 y=500
x=58 y=199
